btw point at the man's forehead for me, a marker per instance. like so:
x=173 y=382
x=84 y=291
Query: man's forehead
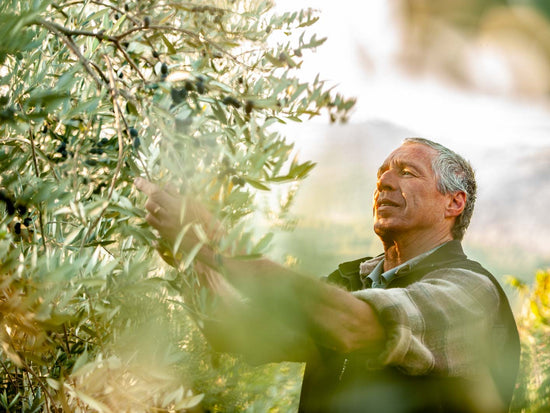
x=411 y=154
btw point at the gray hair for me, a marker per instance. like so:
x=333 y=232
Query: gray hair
x=453 y=173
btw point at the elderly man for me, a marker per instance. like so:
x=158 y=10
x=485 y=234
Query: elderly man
x=419 y=328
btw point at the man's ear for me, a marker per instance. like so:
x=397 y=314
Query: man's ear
x=456 y=203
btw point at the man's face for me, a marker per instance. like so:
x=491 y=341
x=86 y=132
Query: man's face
x=406 y=199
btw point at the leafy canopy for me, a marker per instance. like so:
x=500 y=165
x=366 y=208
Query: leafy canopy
x=93 y=94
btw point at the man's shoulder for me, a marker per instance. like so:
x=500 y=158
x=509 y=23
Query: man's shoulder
x=347 y=273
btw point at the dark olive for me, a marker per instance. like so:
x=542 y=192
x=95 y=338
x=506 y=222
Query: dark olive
x=188 y=85
x=178 y=95
x=238 y=181
x=200 y=87
x=231 y=101
x=248 y=106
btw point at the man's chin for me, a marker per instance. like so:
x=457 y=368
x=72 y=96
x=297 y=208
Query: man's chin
x=385 y=230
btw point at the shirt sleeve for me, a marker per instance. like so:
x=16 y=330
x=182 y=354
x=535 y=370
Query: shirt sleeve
x=441 y=324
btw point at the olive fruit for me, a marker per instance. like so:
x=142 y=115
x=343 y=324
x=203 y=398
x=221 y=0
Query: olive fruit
x=238 y=181
x=188 y=85
x=248 y=106
x=8 y=200
x=200 y=85
x=178 y=95
x=231 y=101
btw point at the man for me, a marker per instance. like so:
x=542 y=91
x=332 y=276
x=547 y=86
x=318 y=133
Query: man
x=419 y=328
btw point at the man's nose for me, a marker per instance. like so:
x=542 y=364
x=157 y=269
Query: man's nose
x=385 y=181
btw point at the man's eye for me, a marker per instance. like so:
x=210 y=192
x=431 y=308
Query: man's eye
x=405 y=172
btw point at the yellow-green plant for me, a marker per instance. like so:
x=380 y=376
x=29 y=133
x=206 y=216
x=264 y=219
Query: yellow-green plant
x=533 y=386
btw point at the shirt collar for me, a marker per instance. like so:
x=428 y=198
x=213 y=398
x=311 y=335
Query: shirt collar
x=373 y=269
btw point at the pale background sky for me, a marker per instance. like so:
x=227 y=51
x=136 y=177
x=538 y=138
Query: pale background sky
x=425 y=105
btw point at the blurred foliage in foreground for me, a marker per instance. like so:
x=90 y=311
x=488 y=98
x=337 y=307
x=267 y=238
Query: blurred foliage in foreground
x=93 y=94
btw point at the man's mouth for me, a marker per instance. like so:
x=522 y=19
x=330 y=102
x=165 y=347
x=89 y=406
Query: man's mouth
x=386 y=203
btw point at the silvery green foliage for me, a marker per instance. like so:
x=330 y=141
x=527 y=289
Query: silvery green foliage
x=92 y=95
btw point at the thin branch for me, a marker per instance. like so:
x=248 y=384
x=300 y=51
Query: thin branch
x=37 y=173
x=9 y=375
x=114 y=97
x=65 y=34
x=98 y=70
x=110 y=6
x=58 y=29
x=194 y=7
x=118 y=114
x=28 y=371
x=129 y=60
x=189 y=33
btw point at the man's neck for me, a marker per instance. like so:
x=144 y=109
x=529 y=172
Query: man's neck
x=400 y=250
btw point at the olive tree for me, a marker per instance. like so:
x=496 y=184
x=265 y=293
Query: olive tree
x=94 y=93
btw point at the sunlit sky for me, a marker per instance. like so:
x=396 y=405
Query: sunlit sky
x=425 y=105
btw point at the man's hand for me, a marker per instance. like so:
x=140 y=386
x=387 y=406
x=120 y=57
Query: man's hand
x=164 y=209
x=169 y=212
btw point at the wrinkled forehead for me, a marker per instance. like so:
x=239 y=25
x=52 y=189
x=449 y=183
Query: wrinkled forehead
x=411 y=154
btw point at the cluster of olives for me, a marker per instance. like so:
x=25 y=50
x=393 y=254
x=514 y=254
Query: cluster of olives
x=135 y=138
x=179 y=94
x=12 y=207
x=229 y=170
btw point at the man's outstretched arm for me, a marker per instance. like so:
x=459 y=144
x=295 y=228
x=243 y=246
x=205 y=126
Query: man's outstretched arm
x=329 y=316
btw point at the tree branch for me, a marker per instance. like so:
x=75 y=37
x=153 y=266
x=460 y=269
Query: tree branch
x=37 y=173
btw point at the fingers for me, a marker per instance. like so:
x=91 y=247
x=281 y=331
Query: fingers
x=154 y=221
x=152 y=207
x=148 y=188
x=167 y=198
x=171 y=189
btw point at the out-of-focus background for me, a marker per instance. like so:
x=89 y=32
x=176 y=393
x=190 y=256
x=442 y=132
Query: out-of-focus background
x=473 y=75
